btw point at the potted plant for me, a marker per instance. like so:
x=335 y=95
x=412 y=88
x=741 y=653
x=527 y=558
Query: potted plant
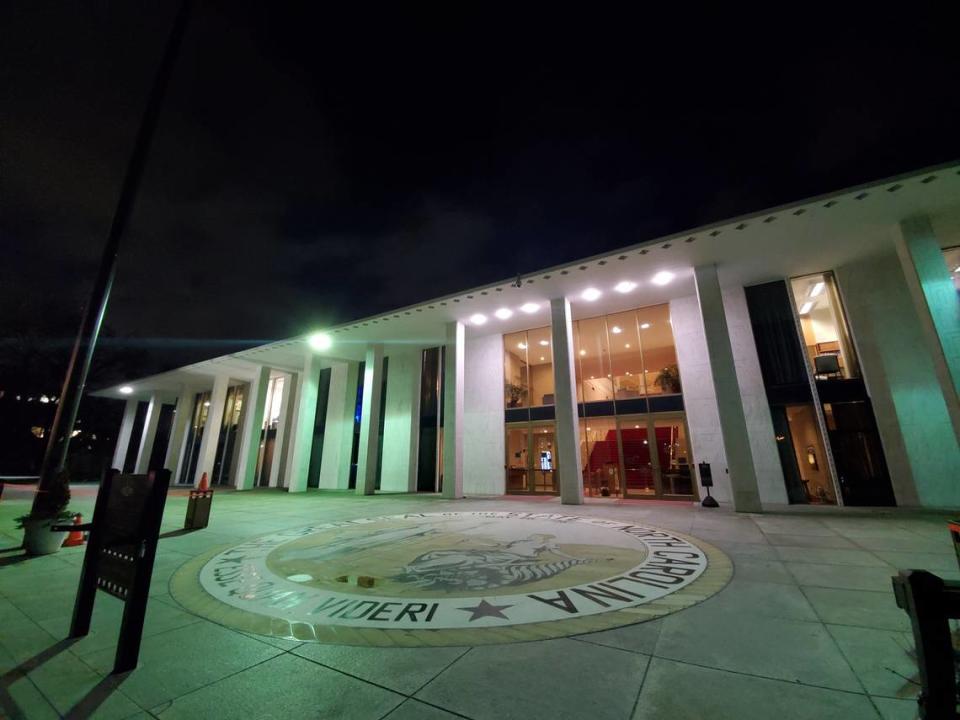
x=49 y=509
x=516 y=394
x=668 y=380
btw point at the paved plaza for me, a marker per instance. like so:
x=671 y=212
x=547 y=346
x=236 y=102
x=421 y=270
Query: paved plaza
x=786 y=615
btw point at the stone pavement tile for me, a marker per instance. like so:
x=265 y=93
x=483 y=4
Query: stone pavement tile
x=850 y=577
x=68 y=684
x=20 y=636
x=549 y=679
x=916 y=543
x=639 y=638
x=879 y=658
x=744 y=642
x=283 y=687
x=414 y=710
x=277 y=642
x=405 y=670
x=687 y=692
x=23 y=700
x=829 y=556
x=764 y=599
x=934 y=562
x=792 y=525
x=750 y=551
x=814 y=541
x=762 y=571
x=896 y=709
x=737 y=535
x=858 y=607
x=856 y=528
x=182 y=660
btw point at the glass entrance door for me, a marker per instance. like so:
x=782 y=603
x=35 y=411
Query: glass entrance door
x=531 y=465
x=544 y=459
x=638 y=469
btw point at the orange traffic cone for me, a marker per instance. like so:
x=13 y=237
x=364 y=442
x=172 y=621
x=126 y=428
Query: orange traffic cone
x=204 y=483
x=76 y=536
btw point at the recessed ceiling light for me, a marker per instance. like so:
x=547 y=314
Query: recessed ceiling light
x=530 y=307
x=624 y=286
x=644 y=326
x=478 y=319
x=662 y=277
x=616 y=330
x=816 y=289
x=206 y=404
x=591 y=294
x=504 y=313
x=583 y=352
x=541 y=357
x=627 y=346
x=319 y=342
x=522 y=346
x=806 y=307
x=544 y=342
x=126 y=390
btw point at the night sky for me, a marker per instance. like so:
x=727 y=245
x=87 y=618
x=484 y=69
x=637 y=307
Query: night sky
x=313 y=167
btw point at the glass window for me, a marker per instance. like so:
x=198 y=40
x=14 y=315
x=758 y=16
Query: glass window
x=809 y=453
x=515 y=381
x=952 y=256
x=517 y=443
x=824 y=327
x=660 y=369
x=540 y=366
x=600 y=456
x=637 y=458
x=626 y=361
x=673 y=456
x=596 y=378
x=544 y=458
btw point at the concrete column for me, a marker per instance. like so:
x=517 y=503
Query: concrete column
x=252 y=429
x=937 y=305
x=211 y=430
x=123 y=436
x=565 y=403
x=301 y=440
x=348 y=418
x=733 y=424
x=178 y=433
x=453 y=411
x=149 y=435
x=369 y=452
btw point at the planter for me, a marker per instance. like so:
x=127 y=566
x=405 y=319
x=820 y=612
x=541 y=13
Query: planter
x=38 y=539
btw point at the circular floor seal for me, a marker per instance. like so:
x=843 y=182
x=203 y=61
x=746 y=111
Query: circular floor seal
x=450 y=578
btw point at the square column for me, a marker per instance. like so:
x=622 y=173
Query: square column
x=453 y=411
x=369 y=450
x=305 y=413
x=565 y=403
x=733 y=423
x=182 y=416
x=150 y=423
x=123 y=436
x=338 y=466
x=936 y=303
x=279 y=470
x=211 y=429
x=253 y=429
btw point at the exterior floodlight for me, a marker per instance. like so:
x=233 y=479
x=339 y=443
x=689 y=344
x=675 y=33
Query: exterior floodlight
x=504 y=313
x=624 y=286
x=529 y=307
x=319 y=342
x=591 y=294
x=478 y=319
x=662 y=278
x=126 y=390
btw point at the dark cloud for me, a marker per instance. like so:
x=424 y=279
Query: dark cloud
x=311 y=167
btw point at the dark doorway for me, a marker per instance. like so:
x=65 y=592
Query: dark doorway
x=162 y=438
x=429 y=425
x=136 y=436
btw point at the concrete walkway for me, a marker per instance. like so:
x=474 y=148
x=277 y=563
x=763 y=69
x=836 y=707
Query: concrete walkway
x=807 y=628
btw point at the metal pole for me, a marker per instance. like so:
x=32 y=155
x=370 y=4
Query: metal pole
x=55 y=455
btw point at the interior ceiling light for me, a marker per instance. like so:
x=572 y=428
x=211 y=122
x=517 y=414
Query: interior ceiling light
x=816 y=289
x=319 y=342
x=478 y=319
x=806 y=307
x=504 y=313
x=583 y=352
x=541 y=357
x=522 y=346
x=616 y=330
x=624 y=286
x=662 y=277
x=530 y=307
x=126 y=390
x=591 y=294
x=544 y=343
x=644 y=326
x=627 y=346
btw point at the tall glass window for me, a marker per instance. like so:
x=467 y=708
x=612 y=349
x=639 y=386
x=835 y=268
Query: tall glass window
x=595 y=376
x=600 y=456
x=660 y=369
x=824 y=328
x=540 y=364
x=626 y=359
x=528 y=368
x=516 y=384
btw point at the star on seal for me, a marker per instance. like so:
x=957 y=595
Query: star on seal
x=485 y=609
